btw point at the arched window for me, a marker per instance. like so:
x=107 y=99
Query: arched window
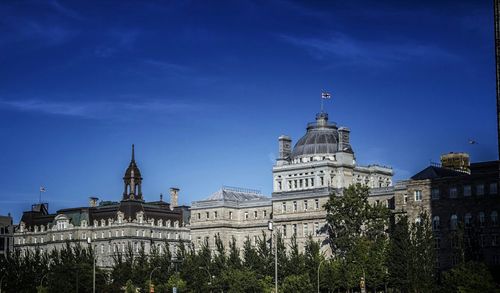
x=453 y=222
x=494 y=218
x=435 y=223
x=468 y=220
x=481 y=219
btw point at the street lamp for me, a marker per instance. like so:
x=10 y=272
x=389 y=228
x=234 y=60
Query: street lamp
x=89 y=241
x=270 y=227
x=41 y=281
x=151 y=275
x=319 y=266
x=363 y=282
x=1 y=283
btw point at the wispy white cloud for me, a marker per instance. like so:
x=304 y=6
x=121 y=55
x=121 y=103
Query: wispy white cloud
x=36 y=32
x=65 y=10
x=100 y=110
x=349 y=50
x=117 y=40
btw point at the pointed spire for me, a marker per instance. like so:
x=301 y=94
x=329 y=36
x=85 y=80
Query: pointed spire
x=133 y=153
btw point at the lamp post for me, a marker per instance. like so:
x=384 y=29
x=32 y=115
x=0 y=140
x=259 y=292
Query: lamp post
x=319 y=266
x=363 y=280
x=41 y=281
x=151 y=276
x=1 y=283
x=210 y=277
x=89 y=241
x=270 y=228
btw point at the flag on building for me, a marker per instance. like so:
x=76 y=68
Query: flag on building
x=326 y=95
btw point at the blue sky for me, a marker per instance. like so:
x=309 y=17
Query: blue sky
x=204 y=88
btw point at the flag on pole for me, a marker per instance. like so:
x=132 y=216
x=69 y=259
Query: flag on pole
x=42 y=189
x=326 y=95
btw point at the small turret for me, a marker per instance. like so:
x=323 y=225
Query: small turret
x=132 y=180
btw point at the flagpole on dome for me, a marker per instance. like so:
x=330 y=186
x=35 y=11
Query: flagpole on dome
x=324 y=96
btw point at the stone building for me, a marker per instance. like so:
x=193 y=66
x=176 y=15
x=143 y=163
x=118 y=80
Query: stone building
x=110 y=226
x=6 y=235
x=459 y=198
x=321 y=162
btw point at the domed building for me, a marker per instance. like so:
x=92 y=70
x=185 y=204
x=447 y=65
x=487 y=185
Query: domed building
x=321 y=162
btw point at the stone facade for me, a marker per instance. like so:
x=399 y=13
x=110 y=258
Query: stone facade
x=6 y=235
x=110 y=227
x=457 y=201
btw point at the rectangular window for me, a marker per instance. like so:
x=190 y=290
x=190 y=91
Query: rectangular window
x=493 y=188
x=405 y=199
x=199 y=216
x=255 y=214
x=322 y=181
x=279 y=185
x=316 y=203
x=230 y=215
x=207 y=215
x=264 y=213
x=480 y=189
x=294 y=229
x=453 y=192
x=294 y=206
x=284 y=231
x=246 y=215
x=215 y=214
x=305 y=205
x=283 y=207
x=306 y=230
x=418 y=195
x=300 y=183
x=467 y=190
x=312 y=182
x=435 y=193
x=316 y=228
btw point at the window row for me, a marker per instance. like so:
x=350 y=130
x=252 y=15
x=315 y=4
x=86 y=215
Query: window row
x=469 y=221
x=296 y=206
x=465 y=191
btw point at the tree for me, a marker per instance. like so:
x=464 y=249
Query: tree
x=357 y=236
x=399 y=257
x=176 y=281
x=468 y=277
x=423 y=255
x=233 y=261
x=297 y=284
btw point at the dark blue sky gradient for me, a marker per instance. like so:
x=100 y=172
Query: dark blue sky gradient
x=204 y=88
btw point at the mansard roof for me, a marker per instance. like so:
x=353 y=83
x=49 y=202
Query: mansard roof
x=434 y=172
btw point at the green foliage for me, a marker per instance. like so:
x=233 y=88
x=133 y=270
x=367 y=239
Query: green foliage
x=468 y=277
x=297 y=284
x=176 y=281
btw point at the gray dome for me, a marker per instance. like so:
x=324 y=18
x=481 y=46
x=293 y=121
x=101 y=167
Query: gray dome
x=321 y=138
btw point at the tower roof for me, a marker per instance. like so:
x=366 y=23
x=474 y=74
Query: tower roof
x=132 y=170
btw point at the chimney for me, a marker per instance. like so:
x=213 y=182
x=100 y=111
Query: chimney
x=93 y=201
x=285 y=149
x=174 y=197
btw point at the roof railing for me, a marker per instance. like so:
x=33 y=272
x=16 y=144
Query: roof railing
x=241 y=189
